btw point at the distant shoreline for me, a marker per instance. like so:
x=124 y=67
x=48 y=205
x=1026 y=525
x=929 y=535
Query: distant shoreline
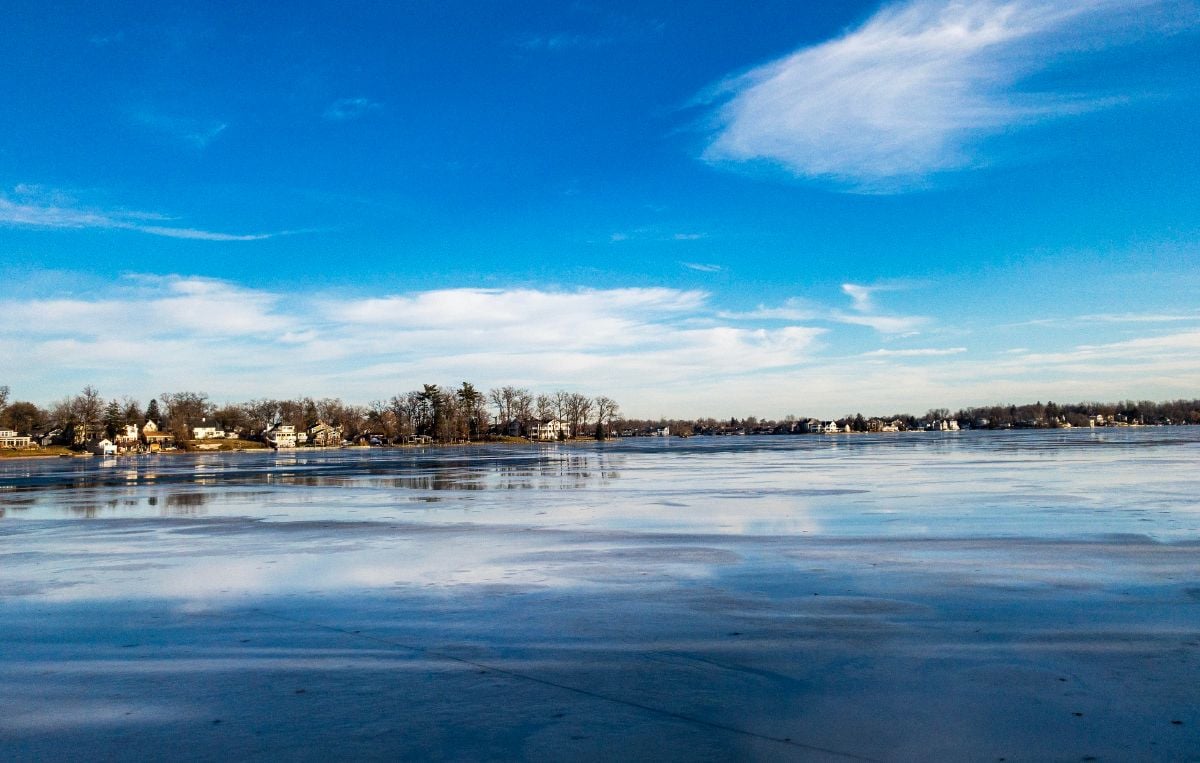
x=6 y=456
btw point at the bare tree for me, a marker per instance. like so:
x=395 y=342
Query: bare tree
x=606 y=410
x=260 y=414
x=544 y=407
x=561 y=398
x=522 y=405
x=497 y=396
x=88 y=408
x=577 y=408
x=184 y=410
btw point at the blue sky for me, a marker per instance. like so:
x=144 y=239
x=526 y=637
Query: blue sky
x=700 y=208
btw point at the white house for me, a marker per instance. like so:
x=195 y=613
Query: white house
x=943 y=425
x=549 y=429
x=10 y=439
x=105 y=447
x=280 y=436
x=206 y=431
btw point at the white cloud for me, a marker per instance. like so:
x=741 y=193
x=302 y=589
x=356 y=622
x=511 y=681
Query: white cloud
x=860 y=295
x=36 y=208
x=916 y=88
x=230 y=340
x=702 y=267
x=345 y=109
x=864 y=311
x=926 y=352
x=656 y=350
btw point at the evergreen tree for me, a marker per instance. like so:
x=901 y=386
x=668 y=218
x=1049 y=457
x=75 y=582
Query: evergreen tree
x=152 y=412
x=113 y=419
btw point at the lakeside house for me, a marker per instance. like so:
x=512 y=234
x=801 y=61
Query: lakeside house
x=10 y=439
x=105 y=447
x=549 y=429
x=323 y=434
x=128 y=437
x=155 y=439
x=206 y=431
x=942 y=425
x=281 y=436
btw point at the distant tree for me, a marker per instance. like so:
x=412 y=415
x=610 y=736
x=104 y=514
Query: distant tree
x=260 y=414
x=231 y=417
x=292 y=412
x=544 y=407
x=522 y=405
x=606 y=410
x=576 y=410
x=152 y=412
x=560 y=397
x=185 y=410
x=24 y=417
x=88 y=409
x=113 y=419
x=3 y=397
x=311 y=416
x=472 y=400
x=132 y=412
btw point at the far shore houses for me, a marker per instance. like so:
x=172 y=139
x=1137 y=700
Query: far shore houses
x=292 y=424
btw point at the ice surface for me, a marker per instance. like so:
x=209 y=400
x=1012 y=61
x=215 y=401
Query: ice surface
x=964 y=596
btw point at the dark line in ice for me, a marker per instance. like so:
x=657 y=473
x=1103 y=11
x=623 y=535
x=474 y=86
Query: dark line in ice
x=565 y=687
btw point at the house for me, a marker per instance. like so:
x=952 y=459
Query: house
x=10 y=439
x=280 y=436
x=323 y=434
x=206 y=431
x=549 y=429
x=51 y=437
x=510 y=428
x=127 y=436
x=942 y=425
x=105 y=447
x=156 y=440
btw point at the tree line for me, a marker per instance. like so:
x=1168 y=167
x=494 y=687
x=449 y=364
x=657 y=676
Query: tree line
x=442 y=413
x=464 y=412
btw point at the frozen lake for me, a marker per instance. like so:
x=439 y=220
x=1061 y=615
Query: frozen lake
x=957 y=596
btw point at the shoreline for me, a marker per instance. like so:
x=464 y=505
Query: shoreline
x=8 y=455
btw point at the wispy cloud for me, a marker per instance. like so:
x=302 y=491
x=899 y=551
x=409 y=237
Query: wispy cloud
x=1114 y=318
x=916 y=88
x=688 y=236
x=923 y=352
x=193 y=132
x=104 y=40
x=36 y=208
x=702 y=267
x=863 y=312
x=346 y=109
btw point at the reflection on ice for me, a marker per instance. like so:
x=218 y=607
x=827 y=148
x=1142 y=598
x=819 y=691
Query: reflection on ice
x=958 y=596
